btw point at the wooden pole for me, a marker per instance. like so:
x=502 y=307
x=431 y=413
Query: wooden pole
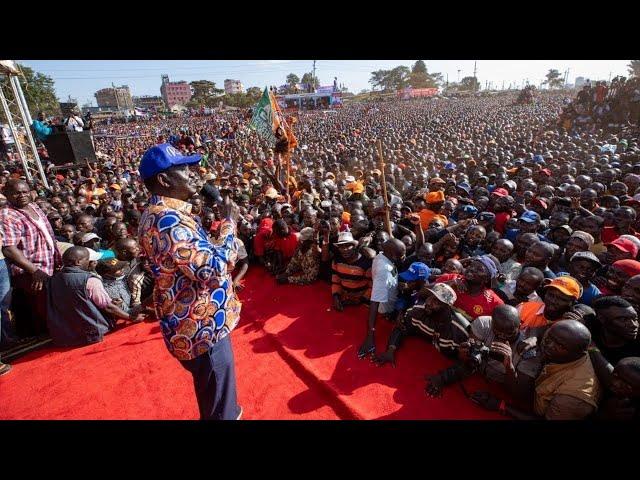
x=387 y=220
x=288 y=160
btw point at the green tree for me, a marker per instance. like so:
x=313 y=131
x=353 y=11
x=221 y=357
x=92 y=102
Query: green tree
x=204 y=93
x=39 y=92
x=292 y=80
x=254 y=92
x=419 y=67
x=309 y=79
x=554 y=79
x=470 y=84
x=399 y=77
x=378 y=78
x=634 y=68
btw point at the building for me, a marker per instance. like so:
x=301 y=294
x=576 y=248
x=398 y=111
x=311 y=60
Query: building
x=149 y=102
x=118 y=98
x=232 y=87
x=175 y=93
x=580 y=82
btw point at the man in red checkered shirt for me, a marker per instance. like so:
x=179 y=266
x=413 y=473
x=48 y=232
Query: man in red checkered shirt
x=31 y=251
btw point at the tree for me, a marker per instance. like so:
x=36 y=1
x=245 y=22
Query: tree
x=254 y=92
x=205 y=93
x=419 y=67
x=292 y=80
x=399 y=77
x=634 y=68
x=554 y=79
x=39 y=92
x=309 y=79
x=378 y=78
x=470 y=83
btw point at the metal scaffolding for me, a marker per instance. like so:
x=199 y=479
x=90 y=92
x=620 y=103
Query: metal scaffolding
x=16 y=111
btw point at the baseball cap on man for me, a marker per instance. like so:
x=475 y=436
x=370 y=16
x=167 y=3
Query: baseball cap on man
x=500 y=192
x=530 y=216
x=161 y=157
x=87 y=237
x=416 y=271
x=567 y=285
x=625 y=245
x=444 y=293
x=586 y=256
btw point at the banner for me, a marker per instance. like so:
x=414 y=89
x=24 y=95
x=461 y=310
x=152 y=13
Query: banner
x=267 y=119
x=264 y=118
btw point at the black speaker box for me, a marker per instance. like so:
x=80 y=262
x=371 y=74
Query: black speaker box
x=70 y=147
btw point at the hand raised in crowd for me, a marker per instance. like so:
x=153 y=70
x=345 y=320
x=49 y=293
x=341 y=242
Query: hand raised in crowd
x=229 y=209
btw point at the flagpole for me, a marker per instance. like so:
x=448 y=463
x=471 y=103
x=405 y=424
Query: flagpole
x=387 y=220
x=288 y=160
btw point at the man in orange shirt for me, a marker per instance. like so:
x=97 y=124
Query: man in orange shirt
x=561 y=294
x=435 y=201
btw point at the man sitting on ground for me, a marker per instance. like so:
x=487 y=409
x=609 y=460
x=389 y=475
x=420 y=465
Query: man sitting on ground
x=77 y=303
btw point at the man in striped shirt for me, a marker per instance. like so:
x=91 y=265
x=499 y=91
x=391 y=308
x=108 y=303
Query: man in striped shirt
x=351 y=274
x=433 y=318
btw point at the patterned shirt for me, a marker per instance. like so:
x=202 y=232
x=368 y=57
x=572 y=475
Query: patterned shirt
x=193 y=293
x=21 y=231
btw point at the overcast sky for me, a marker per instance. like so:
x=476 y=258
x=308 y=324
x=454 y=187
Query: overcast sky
x=80 y=79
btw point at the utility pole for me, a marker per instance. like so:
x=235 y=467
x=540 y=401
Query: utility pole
x=475 y=79
x=313 y=81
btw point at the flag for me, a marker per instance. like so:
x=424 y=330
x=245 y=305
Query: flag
x=268 y=118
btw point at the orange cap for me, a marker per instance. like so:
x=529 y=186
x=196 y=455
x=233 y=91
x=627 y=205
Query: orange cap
x=567 y=285
x=434 y=197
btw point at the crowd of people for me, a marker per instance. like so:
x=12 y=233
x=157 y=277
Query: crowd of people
x=508 y=239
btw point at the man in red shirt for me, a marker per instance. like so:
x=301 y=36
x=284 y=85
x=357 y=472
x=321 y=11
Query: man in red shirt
x=474 y=297
x=285 y=244
x=501 y=208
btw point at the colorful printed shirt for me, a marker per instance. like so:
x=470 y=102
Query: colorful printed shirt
x=193 y=293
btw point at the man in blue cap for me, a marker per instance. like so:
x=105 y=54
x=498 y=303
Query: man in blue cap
x=194 y=294
x=409 y=282
x=528 y=222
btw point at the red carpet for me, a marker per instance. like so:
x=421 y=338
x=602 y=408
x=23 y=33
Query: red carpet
x=294 y=360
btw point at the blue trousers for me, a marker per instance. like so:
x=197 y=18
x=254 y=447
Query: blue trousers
x=214 y=379
x=5 y=299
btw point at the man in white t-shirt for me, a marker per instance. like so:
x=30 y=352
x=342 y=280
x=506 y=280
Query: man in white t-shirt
x=384 y=289
x=74 y=123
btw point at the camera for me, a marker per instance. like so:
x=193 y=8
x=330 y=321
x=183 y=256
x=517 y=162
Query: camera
x=479 y=353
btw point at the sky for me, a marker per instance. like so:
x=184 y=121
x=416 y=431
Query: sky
x=80 y=79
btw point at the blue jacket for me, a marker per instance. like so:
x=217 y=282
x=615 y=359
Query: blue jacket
x=42 y=130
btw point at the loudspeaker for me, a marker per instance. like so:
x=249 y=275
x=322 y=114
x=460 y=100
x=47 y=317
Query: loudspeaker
x=70 y=147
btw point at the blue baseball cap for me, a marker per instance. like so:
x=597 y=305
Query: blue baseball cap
x=469 y=209
x=449 y=166
x=464 y=186
x=538 y=159
x=416 y=271
x=530 y=216
x=161 y=157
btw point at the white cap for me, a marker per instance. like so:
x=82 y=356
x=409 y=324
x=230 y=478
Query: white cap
x=93 y=255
